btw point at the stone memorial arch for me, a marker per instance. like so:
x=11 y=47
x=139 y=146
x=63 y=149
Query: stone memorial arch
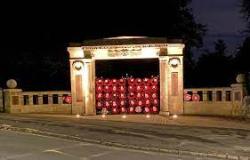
x=82 y=57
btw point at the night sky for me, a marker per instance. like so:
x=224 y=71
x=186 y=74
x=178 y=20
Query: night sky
x=41 y=29
x=47 y=24
x=223 y=21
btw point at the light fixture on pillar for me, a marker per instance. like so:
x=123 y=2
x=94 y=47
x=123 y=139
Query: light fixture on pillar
x=174 y=62
x=78 y=65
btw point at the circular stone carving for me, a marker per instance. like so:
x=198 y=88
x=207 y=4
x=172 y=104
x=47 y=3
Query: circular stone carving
x=241 y=78
x=11 y=84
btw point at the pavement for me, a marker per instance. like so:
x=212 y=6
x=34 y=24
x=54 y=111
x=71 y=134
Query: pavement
x=213 y=137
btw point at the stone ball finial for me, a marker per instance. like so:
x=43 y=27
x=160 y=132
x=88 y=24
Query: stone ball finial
x=241 y=78
x=11 y=84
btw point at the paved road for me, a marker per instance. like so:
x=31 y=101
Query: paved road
x=23 y=146
x=205 y=140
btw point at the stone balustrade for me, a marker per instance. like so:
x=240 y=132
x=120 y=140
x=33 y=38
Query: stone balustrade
x=1 y=100
x=220 y=101
x=17 y=101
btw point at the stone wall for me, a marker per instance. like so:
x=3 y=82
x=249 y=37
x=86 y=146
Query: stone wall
x=54 y=102
x=223 y=101
x=1 y=100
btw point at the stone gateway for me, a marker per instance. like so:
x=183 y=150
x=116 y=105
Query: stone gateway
x=83 y=58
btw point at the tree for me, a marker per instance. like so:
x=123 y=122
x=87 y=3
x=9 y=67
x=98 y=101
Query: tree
x=42 y=41
x=242 y=57
x=245 y=10
x=215 y=68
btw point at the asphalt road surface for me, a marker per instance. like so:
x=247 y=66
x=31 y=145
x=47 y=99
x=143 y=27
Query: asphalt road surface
x=23 y=146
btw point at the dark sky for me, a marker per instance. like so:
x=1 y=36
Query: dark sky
x=39 y=24
x=223 y=20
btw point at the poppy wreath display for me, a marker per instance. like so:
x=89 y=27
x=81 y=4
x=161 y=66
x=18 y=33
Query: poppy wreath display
x=139 y=88
x=187 y=97
x=99 y=88
x=155 y=102
x=131 y=88
x=140 y=103
x=147 y=102
x=131 y=81
x=146 y=81
x=154 y=81
x=99 y=96
x=131 y=109
x=196 y=97
x=107 y=104
x=123 y=110
x=122 y=96
x=114 y=88
x=67 y=99
x=154 y=95
x=107 y=96
x=147 y=88
x=138 y=109
x=122 y=82
x=99 y=105
x=122 y=103
x=154 y=88
x=115 y=110
x=155 y=109
x=128 y=95
x=147 y=110
x=106 y=81
x=132 y=102
x=131 y=95
x=114 y=82
x=107 y=88
x=115 y=95
x=114 y=104
x=138 y=81
x=99 y=81
x=147 y=95
x=139 y=95
x=122 y=89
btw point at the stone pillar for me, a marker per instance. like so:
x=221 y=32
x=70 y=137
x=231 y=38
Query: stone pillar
x=76 y=56
x=13 y=100
x=164 y=110
x=204 y=95
x=239 y=90
x=89 y=86
x=30 y=99
x=1 y=100
x=60 y=99
x=40 y=99
x=175 y=78
x=50 y=99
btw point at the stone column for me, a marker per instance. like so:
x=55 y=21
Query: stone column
x=60 y=99
x=175 y=83
x=89 y=86
x=1 y=100
x=204 y=95
x=175 y=78
x=164 y=110
x=50 y=98
x=13 y=100
x=76 y=55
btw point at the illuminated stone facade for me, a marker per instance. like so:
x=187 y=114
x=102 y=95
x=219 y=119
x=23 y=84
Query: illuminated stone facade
x=82 y=67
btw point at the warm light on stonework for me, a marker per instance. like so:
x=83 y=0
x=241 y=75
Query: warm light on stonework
x=78 y=116
x=78 y=65
x=174 y=62
x=83 y=60
x=175 y=116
